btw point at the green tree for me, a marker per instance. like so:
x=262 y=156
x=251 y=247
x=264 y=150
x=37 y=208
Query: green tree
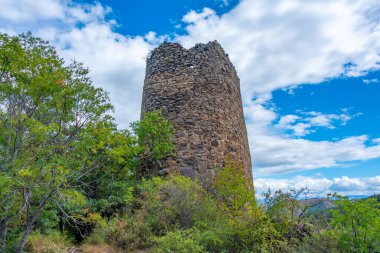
x=288 y=215
x=356 y=224
x=154 y=135
x=48 y=112
x=62 y=158
x=233 y=189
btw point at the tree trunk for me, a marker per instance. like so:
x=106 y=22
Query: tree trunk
x=30 y=223
x=3 y=234
x=29 y=228
x=61 y=223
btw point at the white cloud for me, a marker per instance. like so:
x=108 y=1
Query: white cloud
x=275 y=153
x=194 y=17
x=18 y=11
x=347 y=184
x=117 y=64
x=369 y=81
x=301 y=126
x=375 y=181
x=82 y=32
x=287 y=120
x=321 y=186
x=30 y=12
x=275 y=44
x=301 y=129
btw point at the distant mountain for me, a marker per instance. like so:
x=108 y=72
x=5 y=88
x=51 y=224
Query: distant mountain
x=318 y=206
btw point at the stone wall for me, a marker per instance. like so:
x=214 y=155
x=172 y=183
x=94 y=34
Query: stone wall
x=198 y=91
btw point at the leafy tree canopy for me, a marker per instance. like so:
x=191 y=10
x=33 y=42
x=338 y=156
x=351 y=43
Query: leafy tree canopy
x=60 y=150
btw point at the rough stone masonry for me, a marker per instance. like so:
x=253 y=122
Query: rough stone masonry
x=198 y=91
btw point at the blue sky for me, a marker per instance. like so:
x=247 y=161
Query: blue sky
x=309 y=71
x=141 y=17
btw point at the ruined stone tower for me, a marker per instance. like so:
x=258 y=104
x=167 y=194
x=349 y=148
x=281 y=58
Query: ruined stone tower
x=198 y=91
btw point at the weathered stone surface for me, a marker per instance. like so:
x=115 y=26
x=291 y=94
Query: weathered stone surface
x=198 y=91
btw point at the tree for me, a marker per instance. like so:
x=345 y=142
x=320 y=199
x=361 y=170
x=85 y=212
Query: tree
x=356 y=224
x=233 y=189
x=48 y=114
x=154 y=135
x=61 y=154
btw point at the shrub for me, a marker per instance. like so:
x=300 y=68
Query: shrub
x=175 y=202
x=53 y=242
x=316 y=243
x=232 y=189
x=126 y=232
x=179 y=241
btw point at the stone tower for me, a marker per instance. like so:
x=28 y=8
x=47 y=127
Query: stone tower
x=198 y=91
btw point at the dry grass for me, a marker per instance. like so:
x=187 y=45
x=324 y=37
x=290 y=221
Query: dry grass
x=99 y=248
x=38 y=243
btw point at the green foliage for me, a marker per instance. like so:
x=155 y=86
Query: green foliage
x=62 y=158
x=176 y=214
x=356 y=224
x=317 y=242
x=179 y=241
x=178 y=206
x=126 y=233
x=47 y=112
x=288 y=214
x=113 y=155
x=154 y=134
x=233 y=189
x=177 y=201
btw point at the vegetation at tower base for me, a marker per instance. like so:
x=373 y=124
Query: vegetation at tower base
x=68 y=179
x=153 y=134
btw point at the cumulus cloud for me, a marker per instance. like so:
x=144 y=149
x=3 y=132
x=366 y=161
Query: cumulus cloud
x=321 y=186
x=19 y=11
x=194 y=17
x=29 y=12
x=276 y=153
x=275 y=44
x=83 y=32
x=301 y=126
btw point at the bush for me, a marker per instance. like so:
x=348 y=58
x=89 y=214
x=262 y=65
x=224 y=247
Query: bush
x=226 y=221
x=53 y=242
x=176 y=214
x=316 y=243
x=179 y=241
x=127 y=233
x=175 y=202
x=232 y=189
